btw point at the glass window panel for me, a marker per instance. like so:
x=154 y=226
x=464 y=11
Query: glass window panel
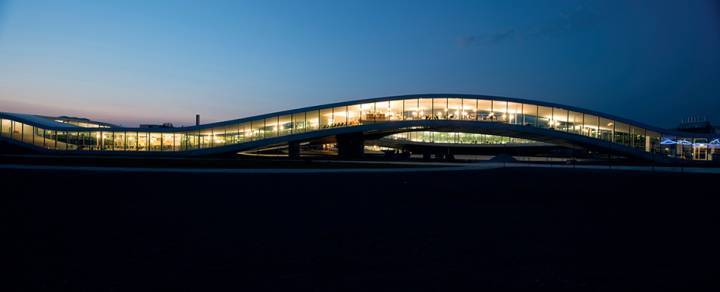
x=90 y=140
x=258 y=131
x=119 y=141
x=49 y=139
x=191 y=140
x=530 y=114
x=368 y=112
x=106 y=140
x=455 y=110
x=514 y=112
x=395 y=112
x=156 y=142
x=354 y=114
x=381 y=109
x=340 y=116
x=82 y=143
x=652 y=142
x=575 y=122
x=27 y=134
x=590 y=126
x=298 y=123
x=411 y=109
x=6 y=126
x=560 y=117
x=271 y=127
x=545 y=117
x=312 y=119
x=622 y=133
x=17 y=131
x=285 y=125
x=326 y=118
x=178 y=139
x=232 y=133
x=425 y=108
x=131 y=141
x=499 y=109
x=168 y=141
x=60 y=140
x=605 y=129
x=38 y=138
x=484 y=109
x=637 y=137
x=246 y=132
x=440 y=110
x=469 y=108
x=142 y=141
x=219 y=137
x=72 y=140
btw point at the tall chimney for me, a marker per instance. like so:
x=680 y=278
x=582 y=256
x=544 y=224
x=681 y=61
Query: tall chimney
x=197 y=120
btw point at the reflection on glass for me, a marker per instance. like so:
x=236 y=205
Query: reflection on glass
x=131 y=141
x=514 y=112
x=560 y=119
x=590 y=126
x=142 y=141
x=469 y=109
x=156 y=142
x=168 y=141
x=499 y=110
x=312 y=119
x=605 y=129
x=298 y=123
x=257 y=130
x=485 y=112
x=107 y=141
x=381 y=110
x=27 y=133
x=326 y=118
x=622 y=134
x=454 y=109
x=340 y=116
x=178 y=140
x=271 y=127
x=119 y=141
x=530 y=114
x=5 y=126
x=285 y=125
x=411 y=109
x=426 y=108
x=545 y=117
x=440 y=110
x=354 y=115
x=637 y=137
x=395 y=112
x=575 y=122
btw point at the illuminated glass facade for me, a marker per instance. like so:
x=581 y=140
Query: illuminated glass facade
x=481 y=109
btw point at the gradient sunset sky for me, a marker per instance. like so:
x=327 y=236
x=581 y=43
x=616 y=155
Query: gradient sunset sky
x=131 y=62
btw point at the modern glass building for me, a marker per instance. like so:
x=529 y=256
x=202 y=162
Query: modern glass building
x=491 y=115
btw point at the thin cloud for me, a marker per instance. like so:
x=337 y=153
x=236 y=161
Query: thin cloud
x=577 y=20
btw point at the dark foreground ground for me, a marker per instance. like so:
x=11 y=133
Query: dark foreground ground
x=445 y=231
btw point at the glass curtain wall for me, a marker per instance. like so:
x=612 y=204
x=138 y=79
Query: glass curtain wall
x=440 y=108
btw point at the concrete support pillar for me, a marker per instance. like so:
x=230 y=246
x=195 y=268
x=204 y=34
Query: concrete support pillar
x=351 y=146
x=294 y=150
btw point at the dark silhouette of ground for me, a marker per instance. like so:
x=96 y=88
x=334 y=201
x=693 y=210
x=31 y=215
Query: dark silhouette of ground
x=545 y=229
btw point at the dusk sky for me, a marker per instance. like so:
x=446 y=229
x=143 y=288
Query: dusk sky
x=133 y=62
